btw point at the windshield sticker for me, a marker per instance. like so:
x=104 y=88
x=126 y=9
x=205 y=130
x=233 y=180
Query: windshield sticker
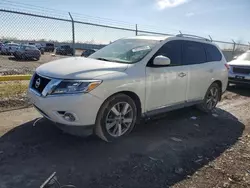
x=141 y=48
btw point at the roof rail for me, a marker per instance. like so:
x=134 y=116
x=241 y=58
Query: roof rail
x=192 y=36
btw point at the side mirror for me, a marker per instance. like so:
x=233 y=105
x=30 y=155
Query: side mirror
x=161 y=60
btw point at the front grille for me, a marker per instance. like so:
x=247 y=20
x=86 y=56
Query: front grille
x=241 y=70
x=39 y=83
x=238 y=80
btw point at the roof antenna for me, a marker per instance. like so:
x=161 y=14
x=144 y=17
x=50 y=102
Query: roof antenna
x=210 y=38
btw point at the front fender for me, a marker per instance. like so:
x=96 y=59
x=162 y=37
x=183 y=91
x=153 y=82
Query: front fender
x=121 y=82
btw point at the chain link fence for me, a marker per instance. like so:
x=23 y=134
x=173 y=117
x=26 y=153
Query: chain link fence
x=78 y=32
x=26 y=24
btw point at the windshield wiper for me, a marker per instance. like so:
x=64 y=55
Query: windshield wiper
x=109 y=60
x=102 y=59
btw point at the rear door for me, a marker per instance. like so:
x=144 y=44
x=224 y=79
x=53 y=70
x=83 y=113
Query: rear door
x=200 y=71
x=28 y=51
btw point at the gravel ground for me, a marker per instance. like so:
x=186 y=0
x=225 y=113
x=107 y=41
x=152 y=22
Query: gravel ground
x=10 y=66
x=171 y=150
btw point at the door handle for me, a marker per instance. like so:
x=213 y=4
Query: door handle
x=211 y=70
x=182 y=74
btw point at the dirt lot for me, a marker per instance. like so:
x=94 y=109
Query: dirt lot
x=9 y=65
x=13 y=93
x=172 y=150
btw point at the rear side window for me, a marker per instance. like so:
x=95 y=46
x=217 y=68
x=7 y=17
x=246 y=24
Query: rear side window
x=193 y=53
x=172 y=50
x=213 y=54
x=30 y=48
x=49 y=44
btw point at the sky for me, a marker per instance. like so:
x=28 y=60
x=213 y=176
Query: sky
x=222 y=19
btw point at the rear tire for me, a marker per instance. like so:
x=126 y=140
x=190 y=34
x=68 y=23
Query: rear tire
x=211 y=98
x=116 y=118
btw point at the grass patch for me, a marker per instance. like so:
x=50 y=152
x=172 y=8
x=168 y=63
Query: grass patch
x=10 y=89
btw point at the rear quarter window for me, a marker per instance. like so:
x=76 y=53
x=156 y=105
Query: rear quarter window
x=212 y=52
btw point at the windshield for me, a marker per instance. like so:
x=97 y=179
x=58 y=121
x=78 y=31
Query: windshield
x=125 y=50
x=245 y=56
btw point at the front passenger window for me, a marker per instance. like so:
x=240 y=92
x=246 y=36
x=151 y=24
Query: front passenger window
x=172 y=50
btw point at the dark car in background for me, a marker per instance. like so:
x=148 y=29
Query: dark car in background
x=1 y=44
x=9 y=48
x=27 y=52
x=38 y=45
x=88 y=52
x=64 y=50
x=49 y=47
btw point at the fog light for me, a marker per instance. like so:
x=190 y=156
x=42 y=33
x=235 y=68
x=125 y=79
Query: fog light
x=69 y=117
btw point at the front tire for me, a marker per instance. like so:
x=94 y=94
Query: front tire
x=116 y=118
x=211 y=99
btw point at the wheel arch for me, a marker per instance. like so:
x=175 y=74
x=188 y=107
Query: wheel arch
x=130 y=94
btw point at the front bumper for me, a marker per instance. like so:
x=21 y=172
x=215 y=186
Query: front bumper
x=237 y=78
x=83 y=106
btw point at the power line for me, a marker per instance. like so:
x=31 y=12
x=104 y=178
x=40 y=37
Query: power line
x=34 y=6
x=64 y=13
x=24 y=7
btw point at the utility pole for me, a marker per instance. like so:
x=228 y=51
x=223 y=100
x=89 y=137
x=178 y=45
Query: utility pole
x=73 y=34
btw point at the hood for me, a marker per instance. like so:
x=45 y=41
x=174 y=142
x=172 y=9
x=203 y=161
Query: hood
x=79 y=68
x=239 y=62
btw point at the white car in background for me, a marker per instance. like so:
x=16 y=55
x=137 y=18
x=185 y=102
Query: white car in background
x=9 y=48
x=108 y=92
x=239 y=69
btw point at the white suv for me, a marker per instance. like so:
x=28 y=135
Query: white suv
x=108 y=92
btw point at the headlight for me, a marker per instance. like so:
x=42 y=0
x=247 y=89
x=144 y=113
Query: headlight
x=71 y=87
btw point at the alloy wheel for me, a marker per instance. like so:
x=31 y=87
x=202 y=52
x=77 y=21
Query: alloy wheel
x=212 y=98
x=119 y=119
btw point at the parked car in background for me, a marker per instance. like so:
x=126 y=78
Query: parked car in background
x=108 y=92
x=64 y=50
x=9 y=48
x=38 y=45
x=1 y=44
x=27 y=52
x=88 y=52
x=49 y=47
x=239 y=69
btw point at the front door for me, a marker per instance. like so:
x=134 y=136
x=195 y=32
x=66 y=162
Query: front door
x=166 y=85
